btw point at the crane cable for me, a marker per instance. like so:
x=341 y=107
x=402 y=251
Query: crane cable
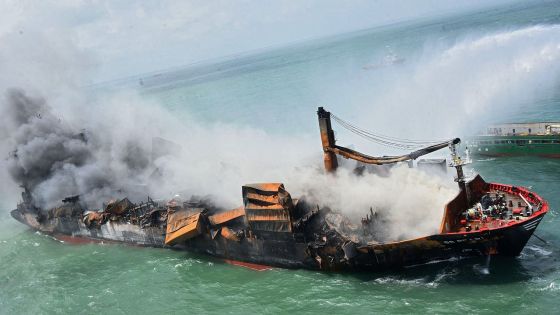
x=404 y=144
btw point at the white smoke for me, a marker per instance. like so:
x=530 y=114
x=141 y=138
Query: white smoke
x=453 y=89
x=410 y=201
x=112 y=158
x=445 y=88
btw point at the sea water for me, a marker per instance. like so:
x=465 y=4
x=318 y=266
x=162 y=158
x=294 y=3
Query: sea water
x=278 y=91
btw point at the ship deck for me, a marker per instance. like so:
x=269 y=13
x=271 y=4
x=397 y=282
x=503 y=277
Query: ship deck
x=494 y=206
x=516 y=213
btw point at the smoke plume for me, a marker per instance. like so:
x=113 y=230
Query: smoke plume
x=53 y=159
x=112 y=158
x=60 y=144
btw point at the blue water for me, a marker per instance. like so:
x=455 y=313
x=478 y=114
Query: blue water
x=278 y=91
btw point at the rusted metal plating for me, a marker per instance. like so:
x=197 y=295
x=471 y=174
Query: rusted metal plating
x=327 y=139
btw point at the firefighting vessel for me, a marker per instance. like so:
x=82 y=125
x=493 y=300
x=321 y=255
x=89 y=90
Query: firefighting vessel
x=516 y=139
x=273 y=229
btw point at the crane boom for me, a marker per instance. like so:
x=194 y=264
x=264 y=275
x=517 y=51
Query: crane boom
x=330 y=148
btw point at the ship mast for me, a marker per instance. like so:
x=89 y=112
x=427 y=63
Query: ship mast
x=458 y=163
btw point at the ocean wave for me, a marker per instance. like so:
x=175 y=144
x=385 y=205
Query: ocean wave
x=538 y=250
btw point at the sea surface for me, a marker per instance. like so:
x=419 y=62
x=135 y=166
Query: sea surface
x=278 y=90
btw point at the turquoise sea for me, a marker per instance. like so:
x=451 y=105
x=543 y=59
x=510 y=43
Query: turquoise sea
x=392 y=79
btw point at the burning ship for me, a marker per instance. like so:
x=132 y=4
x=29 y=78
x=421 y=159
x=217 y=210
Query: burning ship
x=273 y=229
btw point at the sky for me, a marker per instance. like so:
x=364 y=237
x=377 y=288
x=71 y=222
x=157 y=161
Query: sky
x=125 y=38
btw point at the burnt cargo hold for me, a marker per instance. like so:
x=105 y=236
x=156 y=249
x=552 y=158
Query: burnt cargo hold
x=272 y=228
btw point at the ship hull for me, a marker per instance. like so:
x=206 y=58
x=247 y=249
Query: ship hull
x=506 y=241
x=521 y=145
x=287 y=251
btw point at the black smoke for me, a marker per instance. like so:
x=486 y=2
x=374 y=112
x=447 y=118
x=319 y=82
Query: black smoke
x=54 y=159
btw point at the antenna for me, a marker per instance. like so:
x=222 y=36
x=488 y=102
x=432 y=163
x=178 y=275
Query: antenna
x=458 y=163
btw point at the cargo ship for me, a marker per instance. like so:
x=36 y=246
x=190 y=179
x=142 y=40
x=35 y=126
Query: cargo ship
x=515 y=139
x=273 y=229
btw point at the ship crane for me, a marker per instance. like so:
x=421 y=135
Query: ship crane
x=331 y=149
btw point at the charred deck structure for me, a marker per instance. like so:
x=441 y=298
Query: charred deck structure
x=272 y=228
